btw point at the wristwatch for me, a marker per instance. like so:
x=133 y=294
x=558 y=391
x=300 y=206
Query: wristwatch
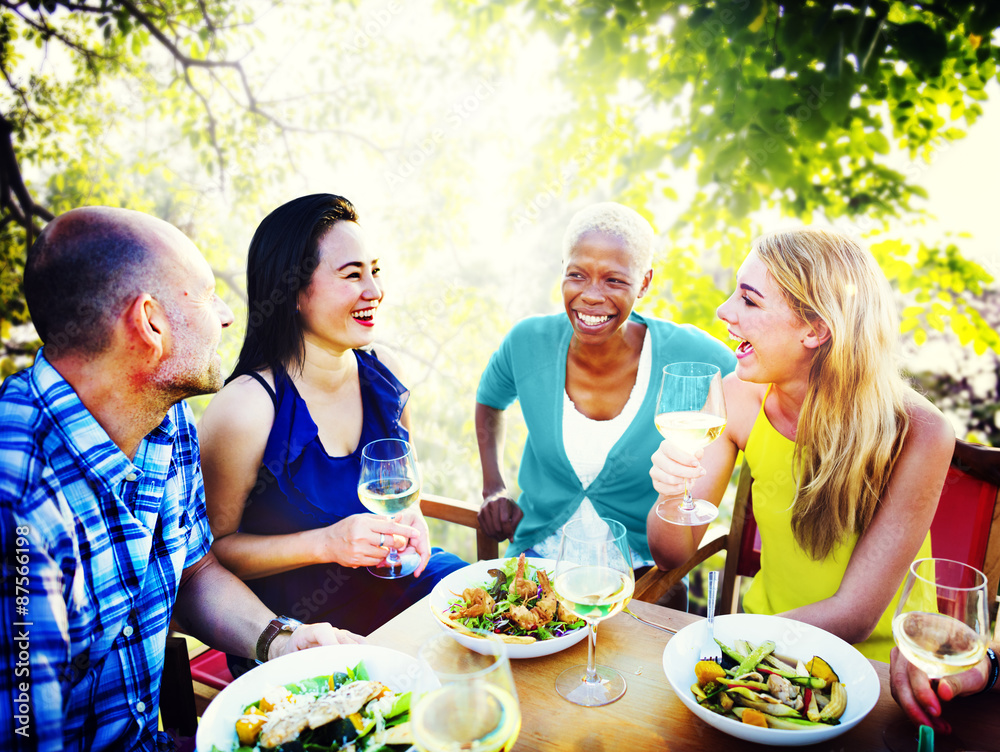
x=272 y=630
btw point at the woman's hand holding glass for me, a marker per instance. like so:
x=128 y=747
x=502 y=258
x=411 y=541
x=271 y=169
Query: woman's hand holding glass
x=690 y=414
x=389 y=484
x=464 y=699
x=355 y=540
x=941 y=626
x=921 y=697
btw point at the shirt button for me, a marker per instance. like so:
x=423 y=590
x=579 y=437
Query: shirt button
x=140 y=706
x=131 y=476
x=127 y=631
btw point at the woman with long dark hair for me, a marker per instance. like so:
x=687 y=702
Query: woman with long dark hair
x=281 y=443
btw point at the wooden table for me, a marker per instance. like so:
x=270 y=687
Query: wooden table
x=650 y=716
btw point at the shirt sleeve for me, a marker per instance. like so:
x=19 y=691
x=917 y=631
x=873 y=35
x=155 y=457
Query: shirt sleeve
x=33 y=664
x=497 y=386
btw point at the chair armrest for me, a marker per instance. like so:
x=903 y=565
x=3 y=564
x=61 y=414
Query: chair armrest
x=656 y=582
x=463 y=513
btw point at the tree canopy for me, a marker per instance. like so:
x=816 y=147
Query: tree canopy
x=814 y=110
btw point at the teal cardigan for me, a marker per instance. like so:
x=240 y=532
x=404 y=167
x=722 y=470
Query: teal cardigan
x=530 y=366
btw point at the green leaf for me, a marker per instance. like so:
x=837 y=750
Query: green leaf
x=878 y=142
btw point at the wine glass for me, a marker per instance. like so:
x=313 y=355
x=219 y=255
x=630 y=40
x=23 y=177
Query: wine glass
x=467 y=701
x=690 y=413
x=594 y=579
x=388 y=484
x=941 y=625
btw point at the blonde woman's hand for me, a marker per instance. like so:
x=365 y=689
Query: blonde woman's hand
x=363 y=540
x=672 y=466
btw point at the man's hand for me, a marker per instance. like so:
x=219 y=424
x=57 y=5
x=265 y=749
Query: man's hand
x=913 y=691
x=311 y=636
x=499 y=517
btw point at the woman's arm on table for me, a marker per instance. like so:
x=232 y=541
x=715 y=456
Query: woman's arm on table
x=499 y=515
x=233 y=433
x=884 y=553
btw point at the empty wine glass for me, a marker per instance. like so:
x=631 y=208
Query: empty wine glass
x=467 y=701
x=941 y=625
x=388 y=484
x=594 y=579
x=691 y=413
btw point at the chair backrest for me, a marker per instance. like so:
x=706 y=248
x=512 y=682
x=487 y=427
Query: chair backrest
x=966 y=526
x=463 y=513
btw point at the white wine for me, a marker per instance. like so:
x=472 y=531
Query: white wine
x=388 y=495
x=937 y=644
x=479 y=717
x=594 y=593
x=690 y=430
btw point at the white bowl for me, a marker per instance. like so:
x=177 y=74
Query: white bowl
x=794 y=640
x=475 y=575
x=398 y=671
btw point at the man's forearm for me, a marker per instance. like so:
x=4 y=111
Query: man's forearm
x=216 y=607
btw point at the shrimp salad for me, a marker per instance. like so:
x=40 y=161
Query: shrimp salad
x=345 y=711
x=518 y=603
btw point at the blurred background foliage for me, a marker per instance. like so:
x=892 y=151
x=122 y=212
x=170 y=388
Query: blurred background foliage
x=468 y=132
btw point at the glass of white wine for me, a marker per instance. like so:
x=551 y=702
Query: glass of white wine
x=690 y=413
x=941 y=625
x=389 y=483
x=467 y=699
x=594 y=579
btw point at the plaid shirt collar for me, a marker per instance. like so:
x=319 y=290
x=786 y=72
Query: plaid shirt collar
x=102 y=460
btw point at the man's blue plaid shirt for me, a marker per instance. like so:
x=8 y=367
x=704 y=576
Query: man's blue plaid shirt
x=94 y=546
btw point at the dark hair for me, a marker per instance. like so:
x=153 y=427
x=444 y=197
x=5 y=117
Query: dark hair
x=282 y=258
x=77 y=283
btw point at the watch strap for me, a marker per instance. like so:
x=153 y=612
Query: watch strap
x=994 y=671
x=273 y=629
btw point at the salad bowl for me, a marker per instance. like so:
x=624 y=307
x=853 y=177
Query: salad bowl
x=217 y=728
x=794 y=640
x=449 y=589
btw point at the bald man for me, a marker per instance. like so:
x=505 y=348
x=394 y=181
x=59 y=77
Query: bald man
x=102 y=512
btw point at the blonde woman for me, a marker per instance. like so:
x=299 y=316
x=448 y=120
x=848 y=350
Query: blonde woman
x=848 y=461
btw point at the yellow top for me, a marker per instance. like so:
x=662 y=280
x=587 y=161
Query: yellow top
x=788 y=576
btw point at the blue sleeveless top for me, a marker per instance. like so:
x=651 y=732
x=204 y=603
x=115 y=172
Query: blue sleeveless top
x=301 y=487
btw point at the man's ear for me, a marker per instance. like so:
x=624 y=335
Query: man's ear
x=818 y=333
x=147 y=322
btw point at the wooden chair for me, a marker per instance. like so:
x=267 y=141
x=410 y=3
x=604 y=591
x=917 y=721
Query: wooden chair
x=192 y=677
x=966 y=527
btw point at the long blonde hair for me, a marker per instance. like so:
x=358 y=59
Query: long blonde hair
x=854 y=419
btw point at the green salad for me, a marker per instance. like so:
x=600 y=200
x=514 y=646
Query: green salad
x=345 y=711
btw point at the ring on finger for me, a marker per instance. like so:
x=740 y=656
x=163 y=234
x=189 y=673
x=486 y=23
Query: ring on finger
x=381 y=540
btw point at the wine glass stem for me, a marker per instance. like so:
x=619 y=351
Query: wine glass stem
x=688 y=503
x=392 y=558
x=592 y=654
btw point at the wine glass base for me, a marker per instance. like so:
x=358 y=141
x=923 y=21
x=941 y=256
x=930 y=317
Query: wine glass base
x=672 y=511
x=573 y=686
x=404 y=567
